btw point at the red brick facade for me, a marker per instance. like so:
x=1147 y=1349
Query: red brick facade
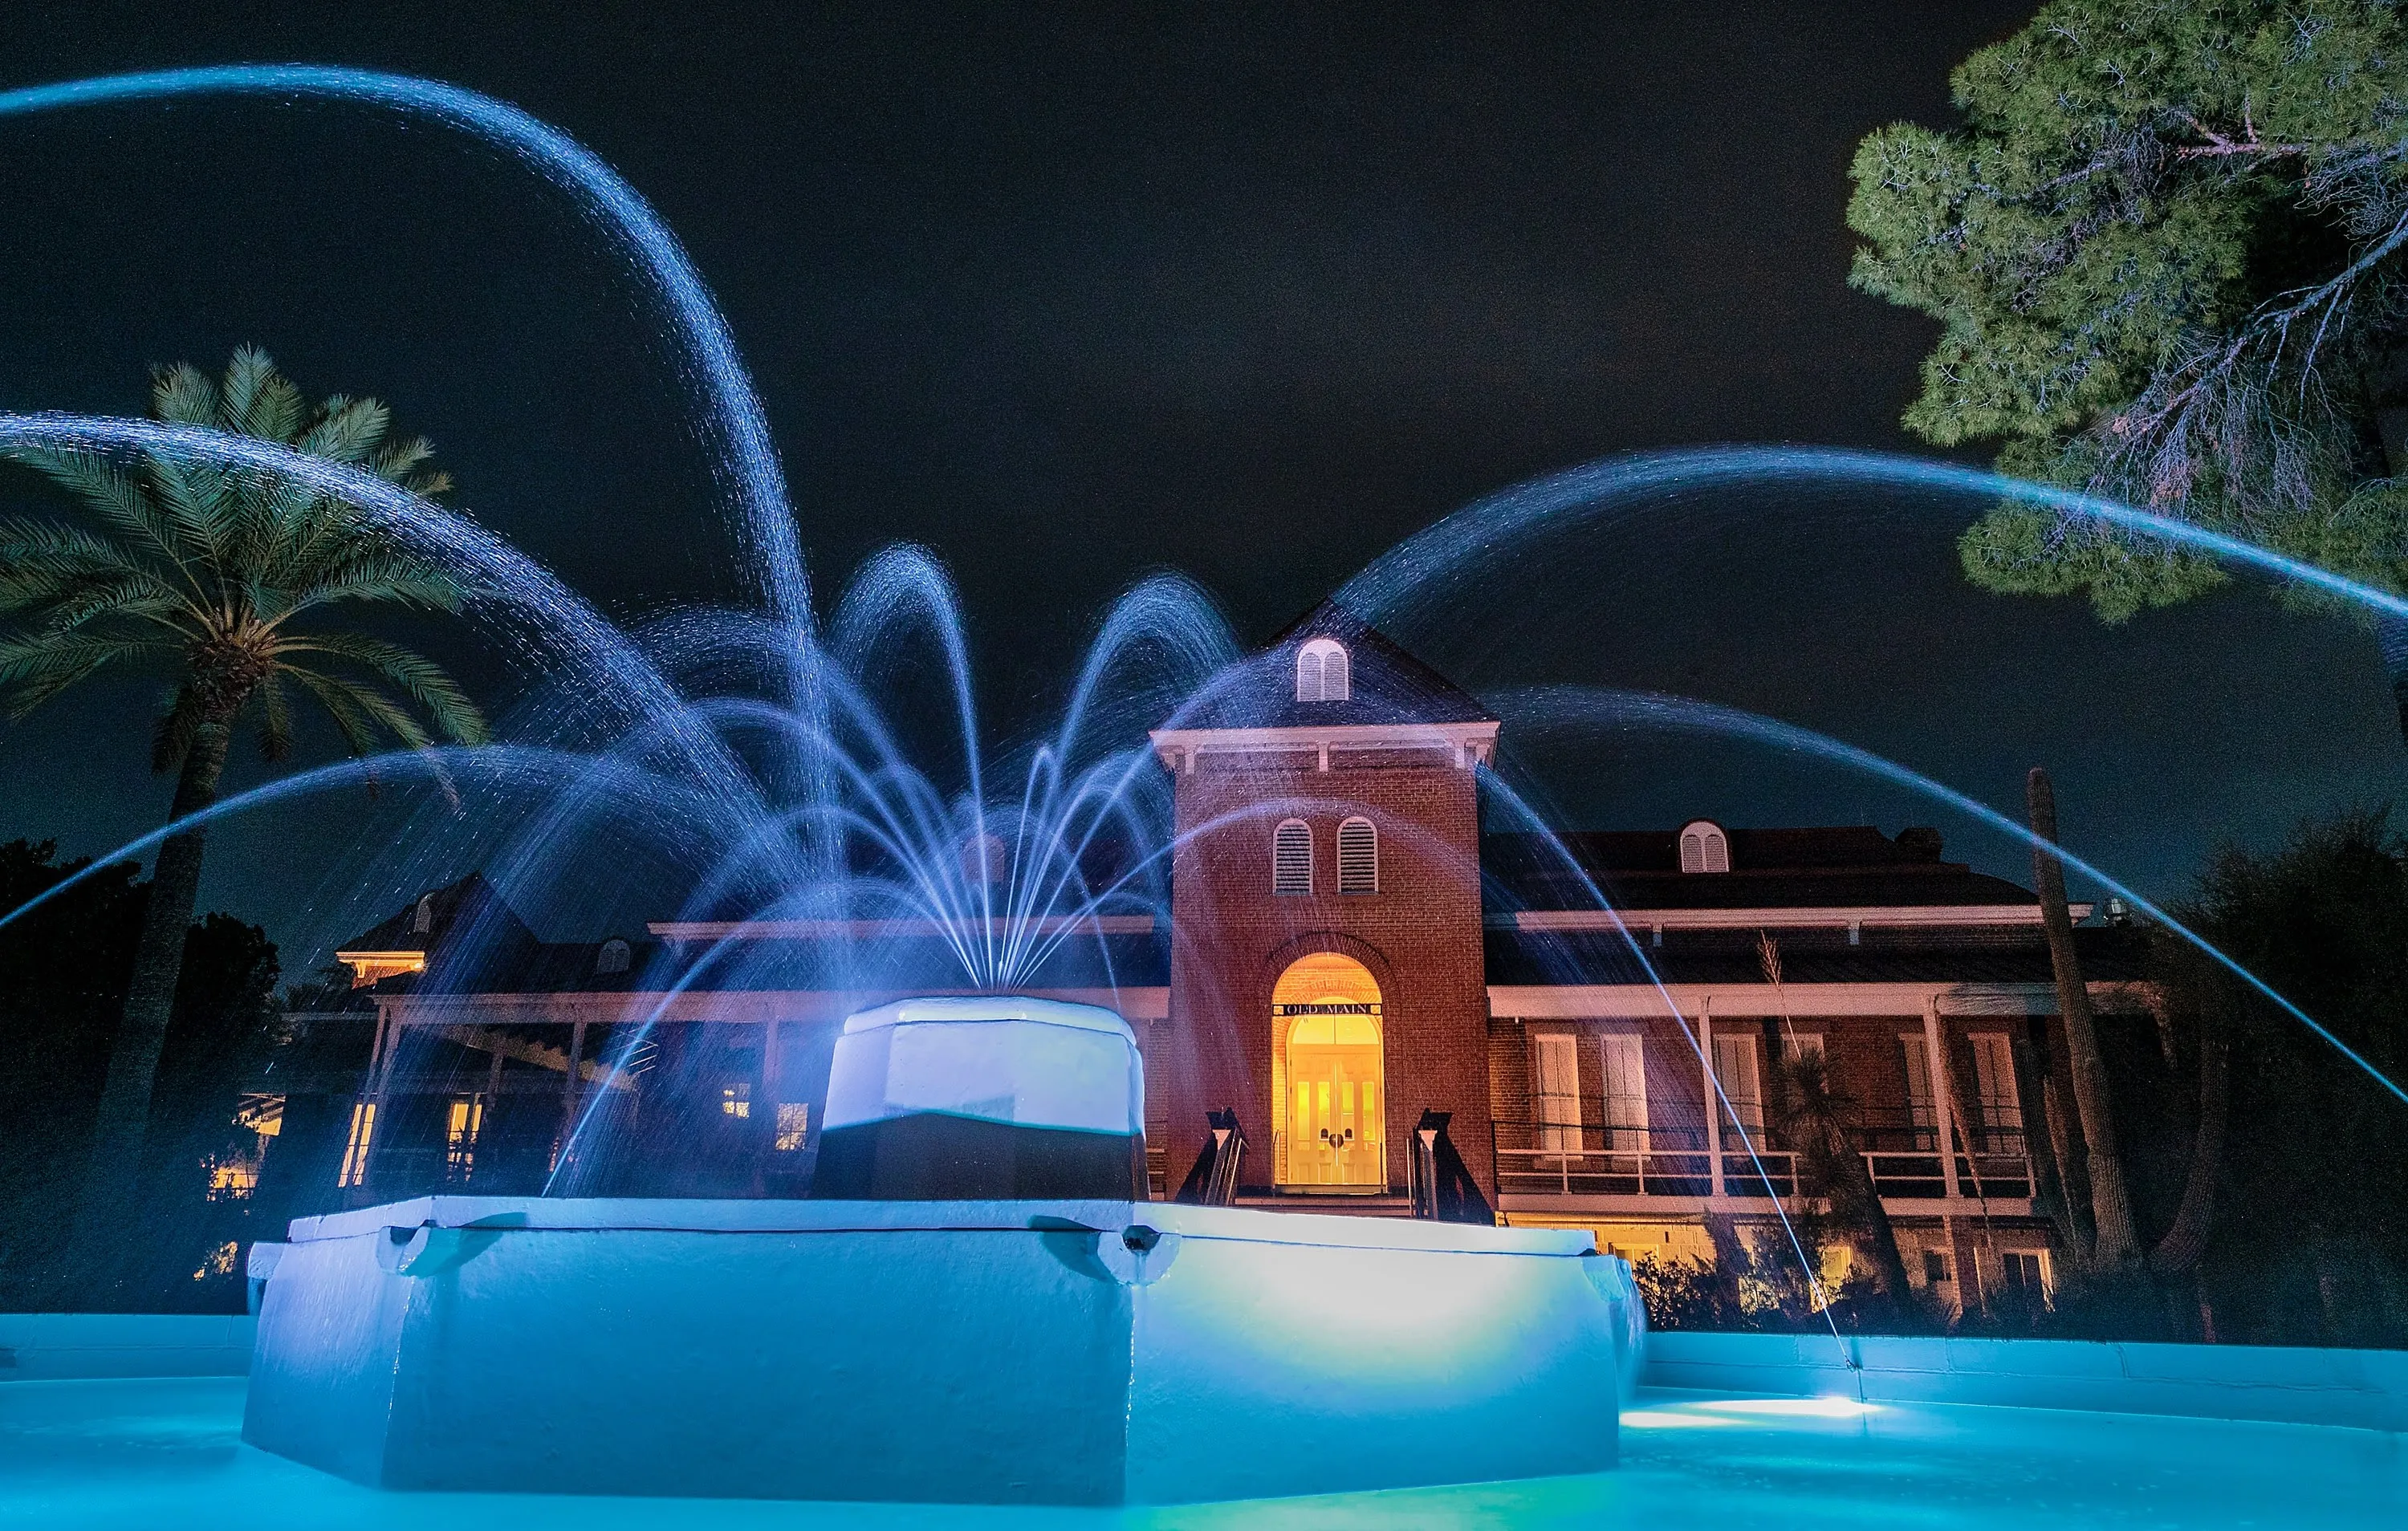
x=1419 y=935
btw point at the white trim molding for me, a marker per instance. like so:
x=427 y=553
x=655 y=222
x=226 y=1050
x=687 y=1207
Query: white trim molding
x=728 y=1007
x=823 y=930
x=1823 y=917
x=1468 y=743
x=1646 y=1001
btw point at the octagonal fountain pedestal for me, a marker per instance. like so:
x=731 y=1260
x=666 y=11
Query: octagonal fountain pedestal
x=1065 y=1353
x=1021 y=1346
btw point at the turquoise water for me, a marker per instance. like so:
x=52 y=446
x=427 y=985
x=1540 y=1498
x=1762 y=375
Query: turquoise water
x=159 y=1454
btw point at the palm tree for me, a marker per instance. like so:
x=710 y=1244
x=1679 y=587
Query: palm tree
x=223 y=580
x=2115 y=1250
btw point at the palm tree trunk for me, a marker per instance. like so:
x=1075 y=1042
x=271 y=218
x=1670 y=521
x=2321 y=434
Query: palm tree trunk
x=2118 y=1250
x=2051 y=1197
x=2179 y=1252
x=112 y=1175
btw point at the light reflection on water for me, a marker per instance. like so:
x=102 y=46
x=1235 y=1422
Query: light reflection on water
x=159 y=1454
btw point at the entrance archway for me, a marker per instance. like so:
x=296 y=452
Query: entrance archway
x=1329 y=1096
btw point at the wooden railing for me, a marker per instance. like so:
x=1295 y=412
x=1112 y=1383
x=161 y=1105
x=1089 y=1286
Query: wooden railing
x=1535 y=1158
x=1539 y=1158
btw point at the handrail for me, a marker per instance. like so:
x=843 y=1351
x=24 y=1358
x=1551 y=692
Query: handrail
x=1604 y=1159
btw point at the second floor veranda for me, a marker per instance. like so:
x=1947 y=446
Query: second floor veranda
x=1600 y=1165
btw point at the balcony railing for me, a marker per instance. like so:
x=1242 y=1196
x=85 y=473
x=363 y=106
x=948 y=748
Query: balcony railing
x=1904 y=1157
x=1535 y=1158
x=1550 y=1159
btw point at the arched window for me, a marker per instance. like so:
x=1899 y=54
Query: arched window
x=424 y=920
x=1704 y=848
x=1321 y=671
x=1358 y=857
x=1292 y=858
x=613 y=957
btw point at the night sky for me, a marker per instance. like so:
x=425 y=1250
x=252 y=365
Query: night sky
x=1074 y=293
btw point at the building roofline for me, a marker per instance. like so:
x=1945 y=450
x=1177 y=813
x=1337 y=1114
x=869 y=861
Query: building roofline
x=815 y=930
x=1796 y=1001
x=1470 y=743
x=1790 y=917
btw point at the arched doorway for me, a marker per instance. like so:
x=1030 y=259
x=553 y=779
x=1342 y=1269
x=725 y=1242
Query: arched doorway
x=1329 y=1091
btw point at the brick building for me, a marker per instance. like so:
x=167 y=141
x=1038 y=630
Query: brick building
x=1391 y=1008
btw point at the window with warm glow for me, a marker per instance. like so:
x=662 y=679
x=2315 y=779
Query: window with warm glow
x=1555 y=1062
x=1624 y=1056
x=794 y=1124
x=355 y=1148
x=461 y=1126
x=735 y=1099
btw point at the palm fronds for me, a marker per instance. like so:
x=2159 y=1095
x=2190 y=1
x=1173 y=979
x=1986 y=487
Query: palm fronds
x=201 y=568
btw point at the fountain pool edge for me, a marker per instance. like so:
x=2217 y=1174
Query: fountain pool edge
x=2357 y=1389
x=998 y=1351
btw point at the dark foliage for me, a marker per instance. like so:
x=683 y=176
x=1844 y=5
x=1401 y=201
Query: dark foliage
x=63 y=969
x=2310 y=1244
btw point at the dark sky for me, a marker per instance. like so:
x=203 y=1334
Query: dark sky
x=1073 y=293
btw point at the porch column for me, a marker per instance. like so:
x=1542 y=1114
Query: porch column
x=568 y=1094
x=1944 y=1106
x=1713 y=1094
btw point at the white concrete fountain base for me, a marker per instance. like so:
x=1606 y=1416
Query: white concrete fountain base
x=1062 y=1352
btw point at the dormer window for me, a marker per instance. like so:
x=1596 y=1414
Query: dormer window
x=1704 y=848
x=1292 y=858
x=613 y=957
x=1321 y=671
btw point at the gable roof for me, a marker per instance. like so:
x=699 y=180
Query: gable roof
x=1385 y=683
x=470 y=902
x=1836 y=867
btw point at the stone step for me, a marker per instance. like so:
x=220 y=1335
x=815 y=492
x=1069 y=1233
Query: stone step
x=1332 y=1206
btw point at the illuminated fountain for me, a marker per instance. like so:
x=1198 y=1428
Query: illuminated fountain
x=1060 y=1351
x=977 y=1303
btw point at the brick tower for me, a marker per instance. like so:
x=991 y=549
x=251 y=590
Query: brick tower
x=1327 y=975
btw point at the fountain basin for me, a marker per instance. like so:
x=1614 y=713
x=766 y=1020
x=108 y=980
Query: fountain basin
x=994 y=1351
x=992 y=1096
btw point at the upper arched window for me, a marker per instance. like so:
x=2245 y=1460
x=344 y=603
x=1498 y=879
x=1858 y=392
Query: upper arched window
x=425 y=919
x=613 y=957
x=1704 y=848
x=1321 y=671
x=1292 y=858
x=1358 y=857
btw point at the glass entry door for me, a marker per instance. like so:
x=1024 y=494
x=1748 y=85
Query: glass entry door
x=1331 y=1100
x=1335 y=1112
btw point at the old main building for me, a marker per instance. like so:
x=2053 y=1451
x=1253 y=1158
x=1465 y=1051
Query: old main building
x=1357 y=983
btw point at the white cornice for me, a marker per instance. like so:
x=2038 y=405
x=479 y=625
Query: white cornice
x=1759 y=1001
x=1469 y=743
x=727 y=1007
x=822 y=930
x=1825 y=917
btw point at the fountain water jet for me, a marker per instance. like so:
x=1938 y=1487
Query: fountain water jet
x=737 y=424
x=422 y=1343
